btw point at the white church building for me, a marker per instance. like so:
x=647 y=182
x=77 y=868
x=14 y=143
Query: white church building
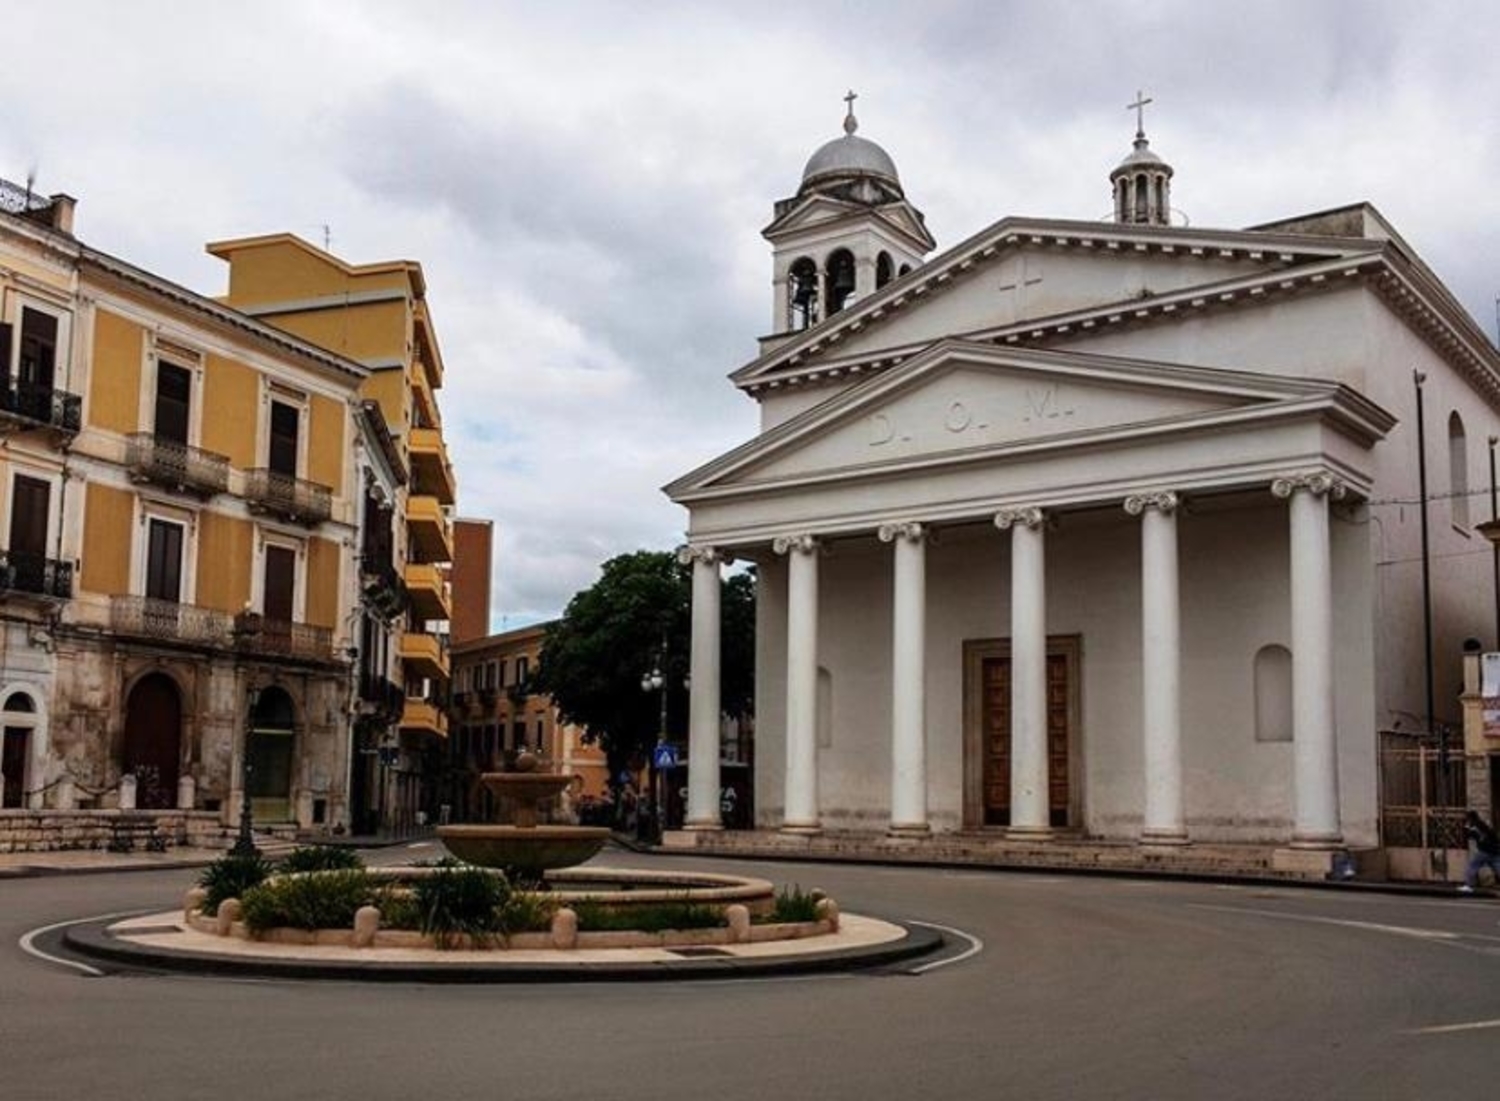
x=1101 y=530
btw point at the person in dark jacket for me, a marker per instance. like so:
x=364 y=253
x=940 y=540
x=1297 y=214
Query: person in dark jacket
x=1484 y=851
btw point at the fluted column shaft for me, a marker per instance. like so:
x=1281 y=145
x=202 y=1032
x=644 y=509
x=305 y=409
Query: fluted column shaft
x=1314 y=736
x=1164 y=820
x=801 y=815
x=908 y=679
x=1029 y=811
x=703 y=706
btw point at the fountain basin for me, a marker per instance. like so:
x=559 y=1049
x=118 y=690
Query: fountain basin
x=530 y=850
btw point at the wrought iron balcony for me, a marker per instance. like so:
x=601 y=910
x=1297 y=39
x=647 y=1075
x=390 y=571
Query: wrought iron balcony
x=168 y=621
x=29 y=403
x=255 y=634
x=294 y=499
x=383 y=590
x=35 y=575
x=151 y=458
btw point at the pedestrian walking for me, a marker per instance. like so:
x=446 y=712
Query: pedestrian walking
x=1484 y=851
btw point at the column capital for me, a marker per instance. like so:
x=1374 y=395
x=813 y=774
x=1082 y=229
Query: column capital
x=1030 y=517
x=1165 y=501
x=910 y=530
x=687 y=554
x=1320 y=483
x=802 y=544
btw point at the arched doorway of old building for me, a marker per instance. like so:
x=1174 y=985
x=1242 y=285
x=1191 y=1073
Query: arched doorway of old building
x=153 y=741
x=272 y=752
x=16 y=734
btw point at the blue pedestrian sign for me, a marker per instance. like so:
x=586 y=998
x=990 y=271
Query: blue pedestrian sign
x=664 y=756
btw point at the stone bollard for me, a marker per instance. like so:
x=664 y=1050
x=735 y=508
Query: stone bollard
x=817 y=894
x=229 y=913
x=127 y=792
x=738 y=916
x=565 y=930
x=66 y=798
x=192 y=902
x=187 y=793
x=366 y=925
x=828 y=910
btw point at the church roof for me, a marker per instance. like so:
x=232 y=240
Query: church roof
x=849 y=157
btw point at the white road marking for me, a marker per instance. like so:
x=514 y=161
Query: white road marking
x=976 y=946
x=1372 y=926
x=28 y=942
x=1468 y=1026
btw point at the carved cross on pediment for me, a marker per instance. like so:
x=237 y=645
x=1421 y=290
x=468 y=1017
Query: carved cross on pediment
x=1023 y=275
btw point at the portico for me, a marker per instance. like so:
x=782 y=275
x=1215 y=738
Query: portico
x=1084 y=543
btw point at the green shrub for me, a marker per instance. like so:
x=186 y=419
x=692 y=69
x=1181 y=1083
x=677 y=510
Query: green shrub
x=398 y=908
x=793 y=905
x=314 y=900
x=459 y=900
x=231 y=876
x=527 y=912
x=320 y=858
x=596 y=917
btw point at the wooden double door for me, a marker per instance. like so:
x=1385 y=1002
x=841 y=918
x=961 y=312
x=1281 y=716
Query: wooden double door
x=989 y=747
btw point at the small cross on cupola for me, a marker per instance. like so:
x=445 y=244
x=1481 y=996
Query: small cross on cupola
x=1142 y=182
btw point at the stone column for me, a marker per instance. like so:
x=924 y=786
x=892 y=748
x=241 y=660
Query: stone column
x=703 y=701
x=1029 y=812
x=1163 y=822
x=908 y=679
x=801 y=814
x=1314 y=740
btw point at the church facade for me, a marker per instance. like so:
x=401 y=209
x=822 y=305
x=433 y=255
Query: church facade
x=1082 y=529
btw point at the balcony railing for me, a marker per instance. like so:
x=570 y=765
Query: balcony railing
x=42 y=405
x=152 y=458
x=168 y=621
x=383 y=589
x=293 y=499
x=255 y=634
x=35 y=574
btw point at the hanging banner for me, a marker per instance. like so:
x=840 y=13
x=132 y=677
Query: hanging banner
x=1489 y=689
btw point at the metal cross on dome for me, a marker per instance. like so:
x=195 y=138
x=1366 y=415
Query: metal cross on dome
x=850 y=124
x=1139 y=107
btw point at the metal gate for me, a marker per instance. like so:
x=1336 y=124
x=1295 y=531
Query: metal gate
x=1422 y=802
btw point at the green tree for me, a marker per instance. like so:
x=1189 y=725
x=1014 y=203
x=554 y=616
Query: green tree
x=613 y=633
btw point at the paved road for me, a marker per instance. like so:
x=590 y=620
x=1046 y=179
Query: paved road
x=1086 y=988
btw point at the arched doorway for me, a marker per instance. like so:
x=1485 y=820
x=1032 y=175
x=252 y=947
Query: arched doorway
x=153 y=741
x=272 y=746
x=19 y=723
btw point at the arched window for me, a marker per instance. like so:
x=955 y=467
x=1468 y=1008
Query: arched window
x=1122 y=200
x=1458 y=471
x=1162 y=213
x=904 y=269
x=1273 y=694
x=1142 y=196
x=802 y=291
x=884 y=270
x=840 y=276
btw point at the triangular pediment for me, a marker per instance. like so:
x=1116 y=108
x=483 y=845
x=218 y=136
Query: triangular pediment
x=960 y=401
x=1023 y=270
x=820 y=212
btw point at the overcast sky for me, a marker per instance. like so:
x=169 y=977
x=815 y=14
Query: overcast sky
x=585 y=183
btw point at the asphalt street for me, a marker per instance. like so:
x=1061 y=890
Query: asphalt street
x=1085 y=988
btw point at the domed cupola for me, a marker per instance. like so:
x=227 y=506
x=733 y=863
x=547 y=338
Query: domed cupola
x=847 y=232
x=1142 y=182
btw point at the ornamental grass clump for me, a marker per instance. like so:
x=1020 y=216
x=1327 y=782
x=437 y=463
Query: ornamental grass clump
x=793 y=904
x=311 y=900
x=457 y=900
x=231 y=876
x=320 y=858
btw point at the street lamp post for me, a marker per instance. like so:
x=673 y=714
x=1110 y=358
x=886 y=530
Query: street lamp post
x=656 y=681
x=244 y=845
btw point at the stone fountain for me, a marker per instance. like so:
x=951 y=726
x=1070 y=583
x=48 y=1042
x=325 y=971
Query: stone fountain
x=522 y=846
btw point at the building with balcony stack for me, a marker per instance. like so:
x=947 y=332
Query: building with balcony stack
x=377 y=315
x=175 y=608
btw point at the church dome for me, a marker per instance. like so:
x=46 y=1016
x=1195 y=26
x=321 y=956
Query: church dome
x=850 y=156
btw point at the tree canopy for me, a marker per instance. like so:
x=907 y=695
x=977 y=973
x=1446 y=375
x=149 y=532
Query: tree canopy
x=635 y=618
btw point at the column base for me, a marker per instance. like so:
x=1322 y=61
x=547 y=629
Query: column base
x=1154 y=837
x=909 y=829
x=1029 y=833
x=709 y=825
x=802 y=829
x=1317 y=841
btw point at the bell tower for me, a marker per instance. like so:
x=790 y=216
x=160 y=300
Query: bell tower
x=1142 y=182
x=847 y=232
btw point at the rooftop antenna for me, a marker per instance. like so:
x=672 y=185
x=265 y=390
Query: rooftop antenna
x=327 y=237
